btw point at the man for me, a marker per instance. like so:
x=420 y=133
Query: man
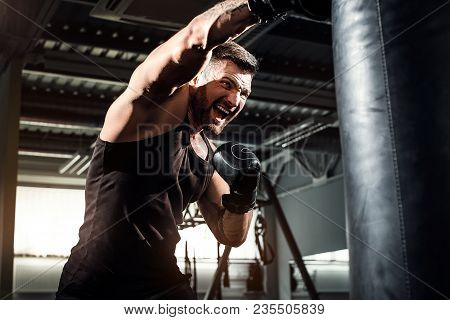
x=152 y=159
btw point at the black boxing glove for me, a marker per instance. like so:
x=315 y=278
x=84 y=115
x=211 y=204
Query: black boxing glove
x=269 y=10
x=240 y=168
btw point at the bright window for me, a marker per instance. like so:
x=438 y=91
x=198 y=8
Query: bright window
x=48 y=220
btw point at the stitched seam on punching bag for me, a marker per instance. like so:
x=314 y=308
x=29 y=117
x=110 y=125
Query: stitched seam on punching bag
x=394 y=151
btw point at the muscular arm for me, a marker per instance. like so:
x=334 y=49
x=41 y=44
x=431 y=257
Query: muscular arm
x=173 y=64
x=183 y=56
x=229 y=228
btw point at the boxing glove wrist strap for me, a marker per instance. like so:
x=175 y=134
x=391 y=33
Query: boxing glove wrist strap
x=237 y=204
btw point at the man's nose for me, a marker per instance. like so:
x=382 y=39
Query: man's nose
x=233 y=98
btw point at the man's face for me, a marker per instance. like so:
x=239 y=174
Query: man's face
x=221 y=93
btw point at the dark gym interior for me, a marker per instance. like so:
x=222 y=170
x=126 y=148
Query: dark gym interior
x=348 y=116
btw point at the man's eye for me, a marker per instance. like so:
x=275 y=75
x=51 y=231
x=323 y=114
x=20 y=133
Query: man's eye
x=226 y=84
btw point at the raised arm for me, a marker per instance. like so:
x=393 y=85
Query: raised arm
x=170 y=66
x=183 y=56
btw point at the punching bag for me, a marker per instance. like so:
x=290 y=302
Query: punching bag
x=392 y=68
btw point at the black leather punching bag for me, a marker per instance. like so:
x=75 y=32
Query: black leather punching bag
x=392 y=67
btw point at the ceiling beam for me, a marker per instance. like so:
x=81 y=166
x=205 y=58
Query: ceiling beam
x=107 y=35
x=294 y=95
x=87 y=66
x=53 y=142
x=53 y=106
x=304 y=30
x=20 y=26
x=263 y=90
x=144 y=44
x=297 y=69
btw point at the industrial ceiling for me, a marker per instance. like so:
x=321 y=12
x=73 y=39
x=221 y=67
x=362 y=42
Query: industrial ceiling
x=81 y=58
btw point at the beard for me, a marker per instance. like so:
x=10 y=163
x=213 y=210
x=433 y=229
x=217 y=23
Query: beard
x=204 y=115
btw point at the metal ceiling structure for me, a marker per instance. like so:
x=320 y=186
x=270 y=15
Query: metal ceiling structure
x=85 y=56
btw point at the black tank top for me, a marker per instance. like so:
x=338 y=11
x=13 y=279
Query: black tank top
x=135 y=196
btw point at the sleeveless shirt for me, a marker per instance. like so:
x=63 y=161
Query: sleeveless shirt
x=135 y=196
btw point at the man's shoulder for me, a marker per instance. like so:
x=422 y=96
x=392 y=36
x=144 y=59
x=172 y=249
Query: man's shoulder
x=132 y=119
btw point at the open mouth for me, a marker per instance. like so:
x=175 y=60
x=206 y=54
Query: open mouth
x=220 y=113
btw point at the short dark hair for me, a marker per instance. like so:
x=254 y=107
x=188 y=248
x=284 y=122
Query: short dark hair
x=237 y=54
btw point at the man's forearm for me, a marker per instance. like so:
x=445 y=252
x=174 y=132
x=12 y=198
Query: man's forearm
x=226 y=20
x=229 y=228
x=235 y=226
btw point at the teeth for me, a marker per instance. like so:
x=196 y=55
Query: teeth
x=223 y=110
